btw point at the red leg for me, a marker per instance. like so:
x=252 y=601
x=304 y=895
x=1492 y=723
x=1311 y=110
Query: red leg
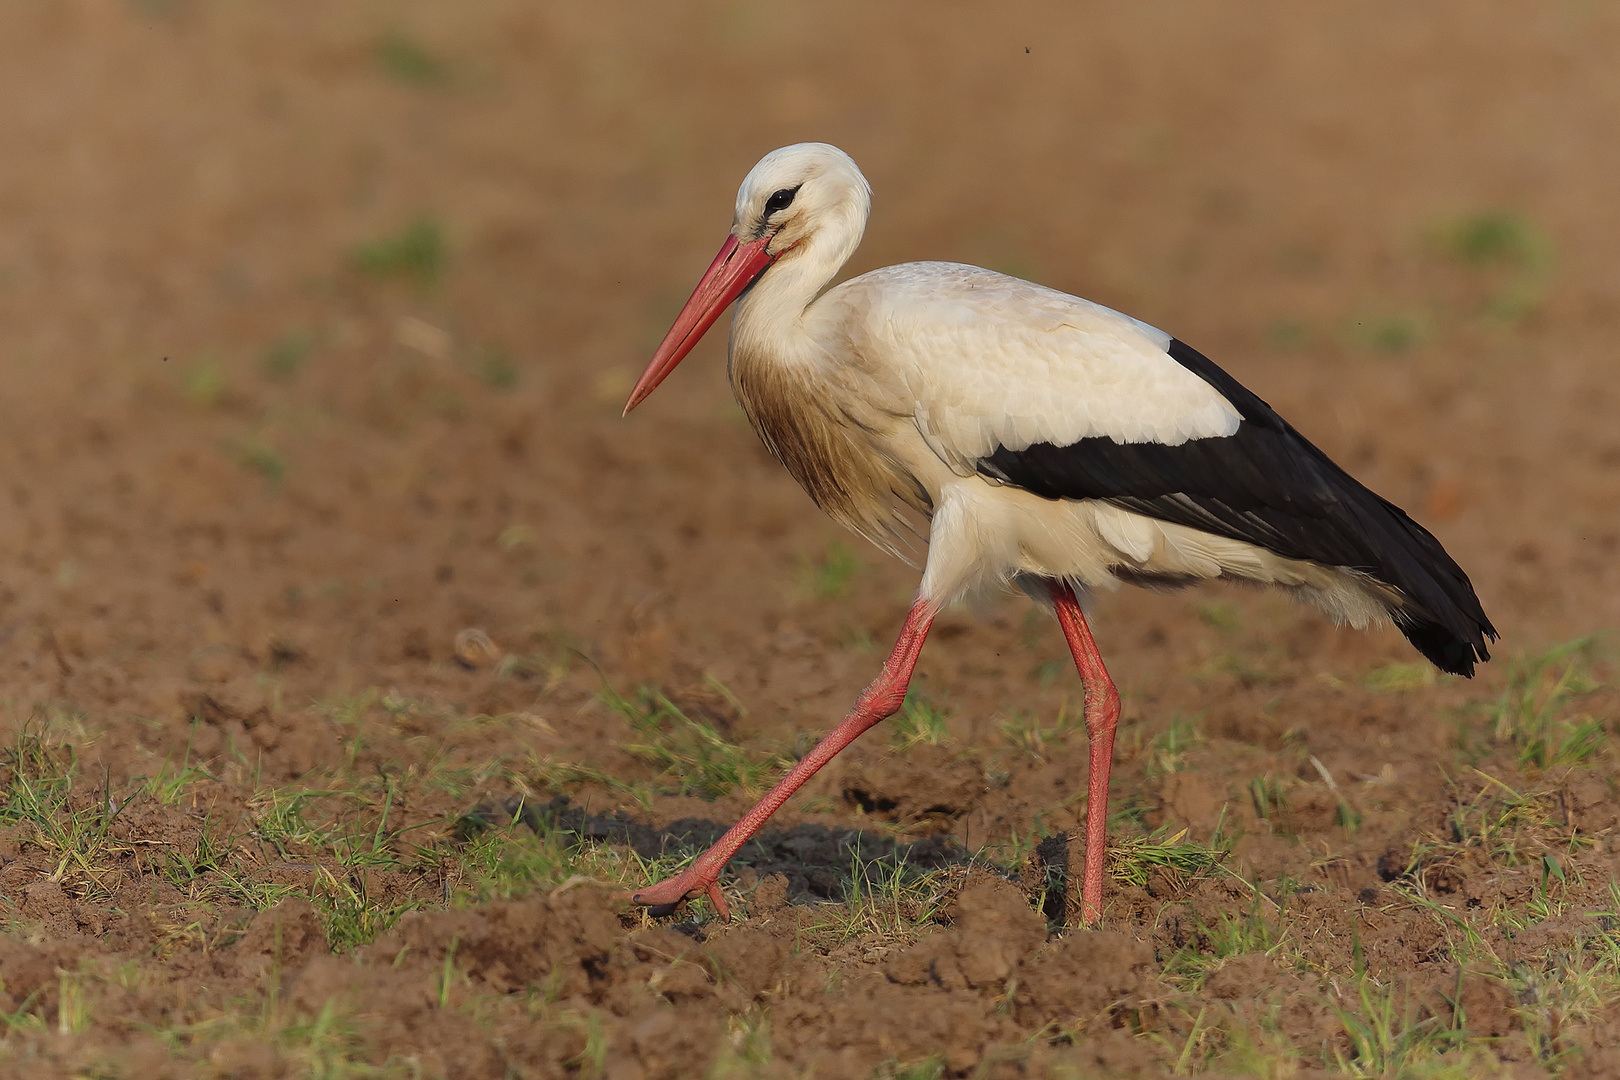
x=1102 y=717
x=878 y=702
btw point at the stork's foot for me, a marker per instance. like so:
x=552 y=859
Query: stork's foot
x=696 y=880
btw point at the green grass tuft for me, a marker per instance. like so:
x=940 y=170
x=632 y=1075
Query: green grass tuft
x=494 y=367
x=1388 y=1036
x=889 y=903
x=409 y=62
x=918 y=721
x=1170 y=747
x=828 y=578
x=929 y=1068
x=1025 y=731
x=1270 y=797
x=1507 y=826
x=1134 y=860
x=698 y=758
x=1391 y=332
x=1506 y=249
x=418 y=253
x=1399 y=677
x=1287 y=335
x=259 y=456
x=286 y=357
x=1496 y=238
x=1232 y=934
x=1531 y=713
x=73 y=827
x=1219 y=614
x=205 y=384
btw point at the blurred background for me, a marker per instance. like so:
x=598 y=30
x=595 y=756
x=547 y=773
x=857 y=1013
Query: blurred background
x=316 y=320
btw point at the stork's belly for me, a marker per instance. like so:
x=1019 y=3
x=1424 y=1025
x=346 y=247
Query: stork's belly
x=985 y=536
x=982 y=535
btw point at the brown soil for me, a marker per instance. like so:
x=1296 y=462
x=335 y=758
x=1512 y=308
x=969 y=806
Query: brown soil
x=256 y=495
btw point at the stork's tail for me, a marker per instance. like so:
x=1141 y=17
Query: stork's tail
x=1445 y=649
x=1441 y=616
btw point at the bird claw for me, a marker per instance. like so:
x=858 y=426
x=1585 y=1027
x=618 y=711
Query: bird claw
x=668 y=895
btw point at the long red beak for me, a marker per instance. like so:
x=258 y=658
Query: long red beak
x=733 y=270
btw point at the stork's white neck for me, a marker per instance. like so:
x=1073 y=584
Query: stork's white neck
x=770 y=316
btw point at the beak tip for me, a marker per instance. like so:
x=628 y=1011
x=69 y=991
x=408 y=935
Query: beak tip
x=725 y=280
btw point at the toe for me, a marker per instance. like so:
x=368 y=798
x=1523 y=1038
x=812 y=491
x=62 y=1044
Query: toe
x=668 y=894
x=718 y=899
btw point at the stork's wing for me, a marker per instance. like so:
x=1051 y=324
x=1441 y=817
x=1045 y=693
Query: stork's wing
x=1069 y=400
x=990 y=361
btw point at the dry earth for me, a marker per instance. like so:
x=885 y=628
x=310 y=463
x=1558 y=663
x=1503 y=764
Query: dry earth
x=316 y=319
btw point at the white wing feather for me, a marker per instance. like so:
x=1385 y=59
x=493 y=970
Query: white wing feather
x=991 y=360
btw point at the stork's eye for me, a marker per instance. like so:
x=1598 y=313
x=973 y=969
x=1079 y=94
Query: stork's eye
x=781 y=200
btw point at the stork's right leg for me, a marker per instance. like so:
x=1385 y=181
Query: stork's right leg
x=1102 y=717
x=880 y=701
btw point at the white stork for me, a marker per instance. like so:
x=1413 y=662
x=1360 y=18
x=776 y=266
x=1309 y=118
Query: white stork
x=1051 y=443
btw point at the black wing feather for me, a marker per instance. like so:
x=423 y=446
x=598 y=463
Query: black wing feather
x=1267 y=485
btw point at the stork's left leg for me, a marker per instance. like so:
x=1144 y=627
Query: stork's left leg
x=1102 y=717
x=881 y=700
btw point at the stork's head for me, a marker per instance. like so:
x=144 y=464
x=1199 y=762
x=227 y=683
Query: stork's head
x=801 y=194
x=803 y=205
